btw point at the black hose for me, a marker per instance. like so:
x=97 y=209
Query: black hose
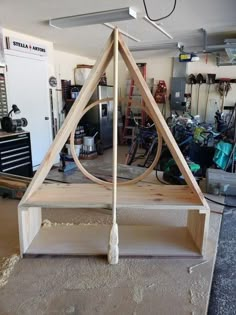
x=220 y=203
x=162 y=18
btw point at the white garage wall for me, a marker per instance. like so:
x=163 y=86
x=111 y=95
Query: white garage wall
x=25 y=37
x=60 y=64
x=65 y=63
x=161 y=68
x=214 y=100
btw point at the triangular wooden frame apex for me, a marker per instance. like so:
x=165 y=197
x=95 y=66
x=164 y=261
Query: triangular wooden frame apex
x=82 y=101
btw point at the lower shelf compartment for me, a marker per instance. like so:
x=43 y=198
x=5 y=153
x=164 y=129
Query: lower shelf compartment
x=134 y=240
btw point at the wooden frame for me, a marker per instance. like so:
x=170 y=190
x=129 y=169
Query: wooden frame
x=102 y=182
x=188 y=241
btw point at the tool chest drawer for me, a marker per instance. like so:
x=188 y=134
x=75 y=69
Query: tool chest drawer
x=15 y=154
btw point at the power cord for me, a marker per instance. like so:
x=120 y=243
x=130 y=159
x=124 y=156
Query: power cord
x=212 y=200
x=162 y=18
x=220 y=203
x=159 y=180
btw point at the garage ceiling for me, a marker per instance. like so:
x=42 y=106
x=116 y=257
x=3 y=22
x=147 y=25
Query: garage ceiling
x=218 y=17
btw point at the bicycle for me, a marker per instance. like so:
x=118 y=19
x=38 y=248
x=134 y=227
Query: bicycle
x=147 y=139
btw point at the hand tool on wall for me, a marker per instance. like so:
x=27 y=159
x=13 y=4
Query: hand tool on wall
x=199 y=80
x=223 y=88
x=191 y=80
x=210 y=80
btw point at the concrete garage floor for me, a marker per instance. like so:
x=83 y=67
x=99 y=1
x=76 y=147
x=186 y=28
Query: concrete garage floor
x=88 y=285
x=223 y=292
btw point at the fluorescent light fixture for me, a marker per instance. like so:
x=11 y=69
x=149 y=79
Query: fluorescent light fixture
x=154 y=47
x=94 y=18
x=123 y=32
x=161 y=29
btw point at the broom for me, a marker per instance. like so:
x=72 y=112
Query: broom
x=113 y=249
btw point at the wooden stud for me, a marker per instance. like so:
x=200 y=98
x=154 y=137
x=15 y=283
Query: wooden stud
x=113 y=249
x=197 y=224
x=29 y=220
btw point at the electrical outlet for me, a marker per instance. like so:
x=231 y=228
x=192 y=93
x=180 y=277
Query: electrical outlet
x=214 y=103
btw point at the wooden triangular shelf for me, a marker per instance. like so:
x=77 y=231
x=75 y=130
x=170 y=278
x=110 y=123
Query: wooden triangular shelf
x=188 y=241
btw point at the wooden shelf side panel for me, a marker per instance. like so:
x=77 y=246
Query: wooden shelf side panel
x=30 y=221
x=197 y=224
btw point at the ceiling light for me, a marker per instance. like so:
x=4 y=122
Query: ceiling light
x=94 y=18
x=123 y=32
x=154 y=47
x=161 y=29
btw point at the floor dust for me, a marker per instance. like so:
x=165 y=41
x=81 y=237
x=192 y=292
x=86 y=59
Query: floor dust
x=7 y=265
x=138 y=294
x=47 y=223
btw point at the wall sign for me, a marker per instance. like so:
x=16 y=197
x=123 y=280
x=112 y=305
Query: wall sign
x=27 y=47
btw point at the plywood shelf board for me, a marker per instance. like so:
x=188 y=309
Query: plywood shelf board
x=148 y=196
x=134 y=240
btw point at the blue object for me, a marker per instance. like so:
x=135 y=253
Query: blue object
x=222 y=153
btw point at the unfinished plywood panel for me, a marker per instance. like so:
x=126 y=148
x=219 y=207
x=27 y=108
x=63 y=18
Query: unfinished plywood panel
x=135 y=240
x=166 y=241
x=148 y=196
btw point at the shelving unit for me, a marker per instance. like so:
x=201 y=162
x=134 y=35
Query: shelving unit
x=163 y=239
x=3 y=97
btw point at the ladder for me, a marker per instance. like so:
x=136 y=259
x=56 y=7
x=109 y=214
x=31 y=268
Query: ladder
x=128 y=131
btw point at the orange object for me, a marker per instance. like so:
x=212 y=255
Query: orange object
x=161 y=91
